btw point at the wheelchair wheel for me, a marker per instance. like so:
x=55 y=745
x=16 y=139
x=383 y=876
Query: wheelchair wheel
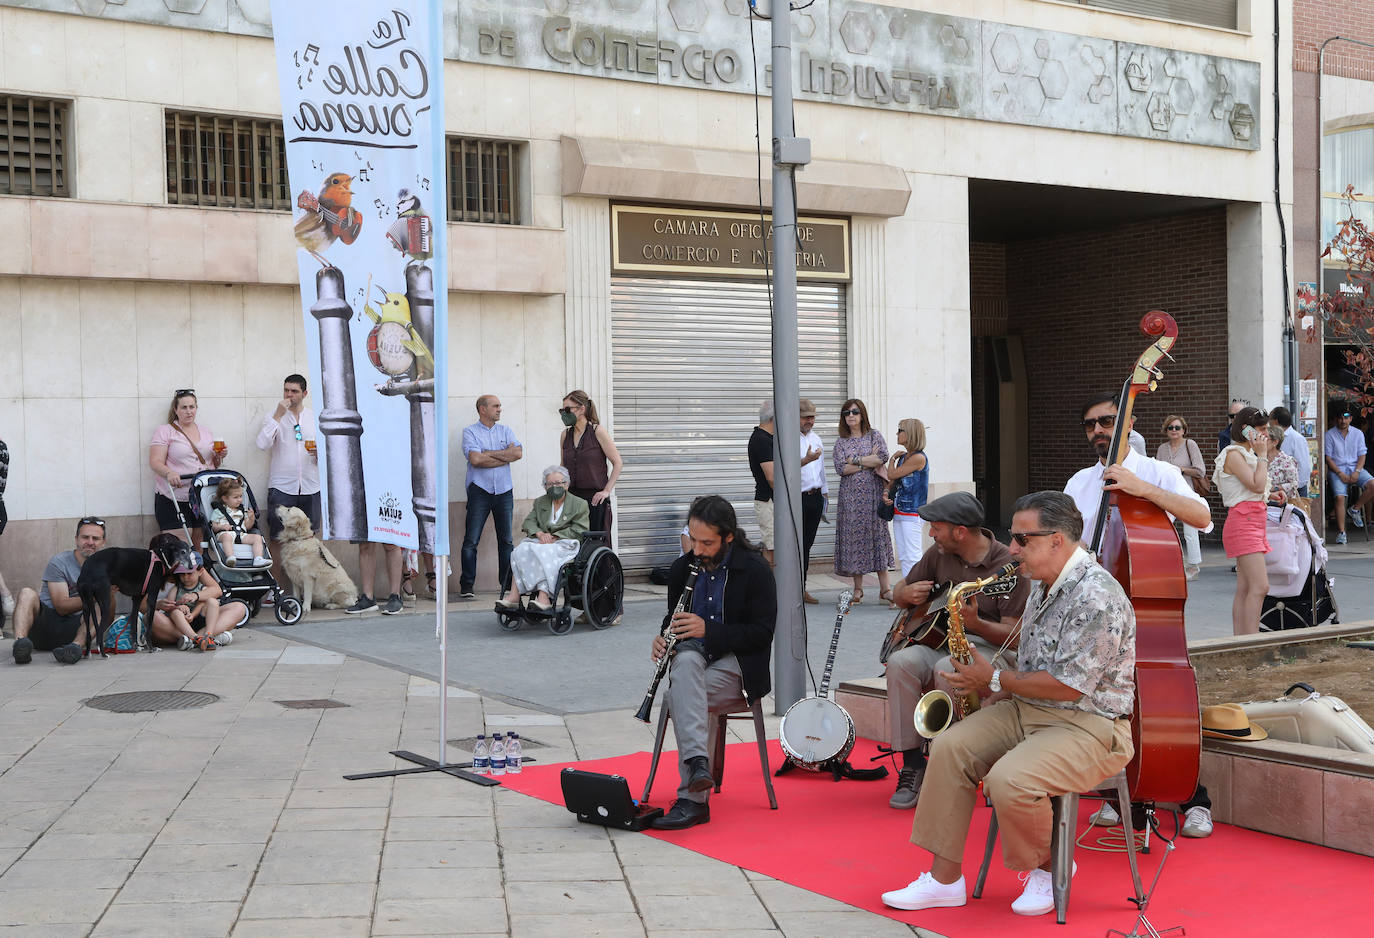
x=289 y=610
x=509 y=623
x=561 y=622
x=603 y=587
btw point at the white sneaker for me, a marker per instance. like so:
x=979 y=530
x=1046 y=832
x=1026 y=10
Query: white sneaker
x=1038 y=896
x=926 y=892
x=185 y=643
x=224 y=638
x=7 y=603
x=1197 y=822
x=1105 y=816
x=261 y=562
x=1356 y=517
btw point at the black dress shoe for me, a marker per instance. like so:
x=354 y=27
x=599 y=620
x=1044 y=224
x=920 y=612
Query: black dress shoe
x=683 y=814
x=701 y=779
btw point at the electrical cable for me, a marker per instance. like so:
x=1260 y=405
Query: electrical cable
x=768 y=281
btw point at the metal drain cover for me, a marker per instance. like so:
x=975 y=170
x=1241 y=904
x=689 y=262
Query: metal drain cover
x=143 y=701
x=314 y=704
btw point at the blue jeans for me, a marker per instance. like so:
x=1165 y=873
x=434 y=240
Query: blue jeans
x=482 y=503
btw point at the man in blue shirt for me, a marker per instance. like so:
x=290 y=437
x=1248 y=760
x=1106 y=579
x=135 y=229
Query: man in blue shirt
x=489 y=447
x=1345 y=454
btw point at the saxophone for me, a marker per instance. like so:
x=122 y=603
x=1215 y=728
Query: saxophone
x=935 y=710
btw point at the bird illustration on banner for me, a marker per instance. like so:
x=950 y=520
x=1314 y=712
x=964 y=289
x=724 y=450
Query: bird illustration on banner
x=412 y=232
x=328 y=217
x=393 y=345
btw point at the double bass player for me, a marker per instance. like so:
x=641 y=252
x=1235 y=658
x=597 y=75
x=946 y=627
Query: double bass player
x=1163 y=485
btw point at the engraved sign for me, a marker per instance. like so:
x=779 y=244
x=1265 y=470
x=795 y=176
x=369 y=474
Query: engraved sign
x=870 y=55
x=646 y=239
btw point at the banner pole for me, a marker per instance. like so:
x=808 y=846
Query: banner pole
x=441 y=629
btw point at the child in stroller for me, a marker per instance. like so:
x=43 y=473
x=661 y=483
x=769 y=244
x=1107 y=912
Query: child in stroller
x=243 y=579
x=233 y=524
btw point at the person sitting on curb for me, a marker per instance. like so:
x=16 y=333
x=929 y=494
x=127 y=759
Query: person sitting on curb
x=50 y=619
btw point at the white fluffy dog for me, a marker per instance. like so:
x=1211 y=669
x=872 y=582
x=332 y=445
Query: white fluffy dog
x=317 y=578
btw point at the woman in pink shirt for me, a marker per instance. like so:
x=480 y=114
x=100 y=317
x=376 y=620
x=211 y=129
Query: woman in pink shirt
x=179 y=447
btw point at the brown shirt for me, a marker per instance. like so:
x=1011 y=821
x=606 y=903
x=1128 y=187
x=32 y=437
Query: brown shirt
x=939 y=567
x=585 y=461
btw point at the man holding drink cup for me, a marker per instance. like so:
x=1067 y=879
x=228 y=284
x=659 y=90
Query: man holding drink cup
x=288 y=433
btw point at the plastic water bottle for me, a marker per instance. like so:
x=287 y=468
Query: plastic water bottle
x=481 y=755
x=498 y=755
x=514 y=753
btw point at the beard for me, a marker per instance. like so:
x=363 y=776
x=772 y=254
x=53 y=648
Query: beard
x=1102 y=445
x=712 y=561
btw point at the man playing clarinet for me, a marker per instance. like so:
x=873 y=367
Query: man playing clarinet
x=723 y=640
x=1059 y=723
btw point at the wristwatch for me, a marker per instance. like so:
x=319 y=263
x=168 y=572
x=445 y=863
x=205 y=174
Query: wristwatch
x=995 y=684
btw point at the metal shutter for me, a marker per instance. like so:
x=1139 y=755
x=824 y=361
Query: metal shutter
x=691 y=364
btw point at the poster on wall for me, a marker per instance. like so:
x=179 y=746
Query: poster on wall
x=363 y=110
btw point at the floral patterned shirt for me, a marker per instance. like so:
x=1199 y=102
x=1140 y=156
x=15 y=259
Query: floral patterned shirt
x=1081 y=631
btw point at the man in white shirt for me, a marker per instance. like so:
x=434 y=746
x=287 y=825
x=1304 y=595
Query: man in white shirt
x=1294 y=444
x=813 y=485
x=1164 y=485
x=293 y=480
x=1155 y=481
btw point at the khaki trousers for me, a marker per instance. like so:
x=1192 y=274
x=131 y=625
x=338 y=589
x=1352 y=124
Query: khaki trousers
x=913 y=671
x=1023 y=753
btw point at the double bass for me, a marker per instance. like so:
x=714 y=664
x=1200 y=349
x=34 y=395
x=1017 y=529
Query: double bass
x=1135 y=540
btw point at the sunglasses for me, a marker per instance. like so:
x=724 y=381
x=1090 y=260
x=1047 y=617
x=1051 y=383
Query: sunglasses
x=1173 y=426
x=84 y=521
x=1345 y=416
x=1106 y=422
x=182 y=392
x=851 y=412
x=1021 y=538
x=298 y=433
x=565 y=410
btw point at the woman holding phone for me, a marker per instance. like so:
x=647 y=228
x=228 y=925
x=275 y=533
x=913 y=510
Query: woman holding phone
x=1242 y=478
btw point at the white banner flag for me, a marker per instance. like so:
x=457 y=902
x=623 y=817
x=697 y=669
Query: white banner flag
x=362 y=102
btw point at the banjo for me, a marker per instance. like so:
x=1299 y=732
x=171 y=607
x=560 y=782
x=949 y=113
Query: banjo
x=928 y=623
x=816 y=730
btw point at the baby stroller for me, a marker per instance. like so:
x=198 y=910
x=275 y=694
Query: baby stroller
x=1300 y=594
x=244 y=583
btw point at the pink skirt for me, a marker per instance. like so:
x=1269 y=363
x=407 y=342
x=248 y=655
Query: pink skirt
x=1244 y=530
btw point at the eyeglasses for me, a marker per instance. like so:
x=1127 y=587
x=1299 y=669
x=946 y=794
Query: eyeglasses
x=85 y=521
x=1021 y=538
x=1173 y=426
x=851 y=412
x=183 y=392
x=298 y=433
x=1107 y=422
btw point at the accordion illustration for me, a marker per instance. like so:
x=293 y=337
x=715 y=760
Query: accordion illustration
x=412 y=235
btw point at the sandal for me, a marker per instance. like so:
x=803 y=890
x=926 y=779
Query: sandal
x=858 y=597
x=887 y=595
x=429 y=584
x=202 y=643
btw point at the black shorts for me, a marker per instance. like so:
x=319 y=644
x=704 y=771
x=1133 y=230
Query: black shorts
x=165 y=510
x=51 y=630
x=310 y=504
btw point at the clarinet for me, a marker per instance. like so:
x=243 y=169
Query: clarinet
x=671 y=637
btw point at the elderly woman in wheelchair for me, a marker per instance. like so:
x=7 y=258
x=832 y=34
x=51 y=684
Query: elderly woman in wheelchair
x=553 y=529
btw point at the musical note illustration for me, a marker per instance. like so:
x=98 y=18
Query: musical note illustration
x=312 y=49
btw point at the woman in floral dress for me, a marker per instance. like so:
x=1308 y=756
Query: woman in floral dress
x=862 y=542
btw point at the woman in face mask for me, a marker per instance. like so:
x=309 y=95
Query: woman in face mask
x=586 y=455
x=552 y=528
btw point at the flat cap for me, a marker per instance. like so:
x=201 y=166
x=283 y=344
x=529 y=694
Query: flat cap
x=955 y=508
x=808 y=409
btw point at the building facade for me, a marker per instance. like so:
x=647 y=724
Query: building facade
x=998 y=193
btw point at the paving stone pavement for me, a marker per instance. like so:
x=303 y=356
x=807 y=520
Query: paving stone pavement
x=235 y=820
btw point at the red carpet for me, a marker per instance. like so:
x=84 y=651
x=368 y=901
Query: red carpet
x=842 y=840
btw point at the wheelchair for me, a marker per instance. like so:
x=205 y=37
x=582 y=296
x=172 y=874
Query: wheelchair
x=593 y=582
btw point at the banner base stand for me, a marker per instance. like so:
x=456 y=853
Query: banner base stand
x=426 y=764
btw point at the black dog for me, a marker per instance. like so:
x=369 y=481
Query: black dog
x=136 y=573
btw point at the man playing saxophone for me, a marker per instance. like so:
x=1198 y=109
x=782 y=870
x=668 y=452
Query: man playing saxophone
x=1058 y=723
x=964 y=550
x=720 y=661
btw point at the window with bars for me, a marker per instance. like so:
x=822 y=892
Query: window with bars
x=483 y=180
x=226 y=162
x=34 y=136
